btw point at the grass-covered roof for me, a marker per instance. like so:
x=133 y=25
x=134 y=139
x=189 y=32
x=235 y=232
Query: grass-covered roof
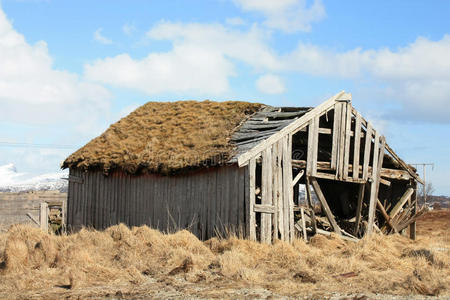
x=165 y=136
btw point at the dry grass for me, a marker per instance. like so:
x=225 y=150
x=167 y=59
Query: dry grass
x=122 y=258
x=165 y=136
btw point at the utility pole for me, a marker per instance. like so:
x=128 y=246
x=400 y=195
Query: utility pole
x=424 y=166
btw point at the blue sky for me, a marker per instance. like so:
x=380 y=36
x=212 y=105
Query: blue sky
x=68 y=69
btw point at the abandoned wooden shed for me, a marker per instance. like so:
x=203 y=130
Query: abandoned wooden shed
x=218 y=166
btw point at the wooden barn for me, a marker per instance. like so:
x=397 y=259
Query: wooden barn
x=215 y=167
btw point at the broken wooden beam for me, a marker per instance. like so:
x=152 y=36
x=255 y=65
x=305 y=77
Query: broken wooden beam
x=326 y=166
x=325 y=206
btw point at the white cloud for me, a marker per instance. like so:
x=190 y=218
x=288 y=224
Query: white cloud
x=417 y=75
x=204 y=56
x=235 y=21
x=100 y=38
x=270 y=84
x=32 y=91
x=128 y=29
x=286 y=15
x=200 y=60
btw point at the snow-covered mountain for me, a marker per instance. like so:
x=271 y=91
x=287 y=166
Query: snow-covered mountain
x=13 y=181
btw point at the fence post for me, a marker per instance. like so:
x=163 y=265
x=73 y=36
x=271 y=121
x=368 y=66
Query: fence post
x=43 y=216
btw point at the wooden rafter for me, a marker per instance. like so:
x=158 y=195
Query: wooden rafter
x=295 y=125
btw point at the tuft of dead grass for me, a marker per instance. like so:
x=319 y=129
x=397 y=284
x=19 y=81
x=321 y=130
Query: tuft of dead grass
x=31 y=260
x=165 y=137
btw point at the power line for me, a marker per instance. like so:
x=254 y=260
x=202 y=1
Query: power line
x=34 y=145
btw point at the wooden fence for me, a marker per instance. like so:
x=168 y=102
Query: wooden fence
x=29 y=207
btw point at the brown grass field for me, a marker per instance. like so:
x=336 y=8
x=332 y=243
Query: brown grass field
x=141 y=263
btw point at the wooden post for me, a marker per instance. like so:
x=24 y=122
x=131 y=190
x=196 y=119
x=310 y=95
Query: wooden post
x=266 y=196
x=412 y=227
x=280 y=189
x=252 y=220
x=373 y=185
x=357 y=147
x=275 y=190
x=340 y=166
x=43 y=216
x=359 y=206
x=336 y=133
x=348 y=124
x=302 y=213
x=310 y=204
x=311 y=145
x=325 y=206
x=367 y=146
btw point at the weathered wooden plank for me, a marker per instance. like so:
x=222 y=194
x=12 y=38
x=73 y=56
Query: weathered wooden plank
x=266 y=209
x=403 y=164
x=310 y=204
x=43 y=216
x=298 y=177
x=412 y=226
x=373 y=184
x=252 y=220
x=280 y=188
x=406 y=196
x=336 y=135
x=290 y=128
x=367 y=148
x=340 y=163
x=289 y=187
x=266 y=179
x=386 y=173
x=310 y=149
x=385 y=215
x=302 y=215
x=357 y=146
x=325 y=206
x=274 y=150
x=348 y=124
x=359 y=207
x=315 y=142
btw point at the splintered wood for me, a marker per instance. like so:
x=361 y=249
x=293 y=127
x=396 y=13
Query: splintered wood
x=360 y=184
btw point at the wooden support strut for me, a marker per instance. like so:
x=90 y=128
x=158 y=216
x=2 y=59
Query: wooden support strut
x=401 y=202
x=325 y=206
x=252 y=219
x=359 y=207
x=385 y=215
x=373 y=186
x=310 y=205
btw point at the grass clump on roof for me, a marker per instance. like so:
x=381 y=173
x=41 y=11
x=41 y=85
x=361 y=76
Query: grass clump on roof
x=165 y=136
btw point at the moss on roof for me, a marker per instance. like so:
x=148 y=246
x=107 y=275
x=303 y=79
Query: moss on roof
x=164 y=137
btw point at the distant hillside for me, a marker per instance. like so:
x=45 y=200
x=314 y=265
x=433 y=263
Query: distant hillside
x=13 y=181
x=439 y=202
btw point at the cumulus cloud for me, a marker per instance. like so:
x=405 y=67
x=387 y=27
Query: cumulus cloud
x=203 y=57
x=270 y=84
x=32 y=91
x=100 y=38
x=286 y=15
x=200 y=60
x=417 y=75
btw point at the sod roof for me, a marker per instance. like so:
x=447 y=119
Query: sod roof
x=163 y=137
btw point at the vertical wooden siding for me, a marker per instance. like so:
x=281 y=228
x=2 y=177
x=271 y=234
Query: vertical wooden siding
x=206 y=201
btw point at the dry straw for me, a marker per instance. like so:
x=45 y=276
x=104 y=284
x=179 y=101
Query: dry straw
x=35 y=261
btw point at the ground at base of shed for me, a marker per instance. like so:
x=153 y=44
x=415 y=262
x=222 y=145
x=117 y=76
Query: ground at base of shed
x=139 y=263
